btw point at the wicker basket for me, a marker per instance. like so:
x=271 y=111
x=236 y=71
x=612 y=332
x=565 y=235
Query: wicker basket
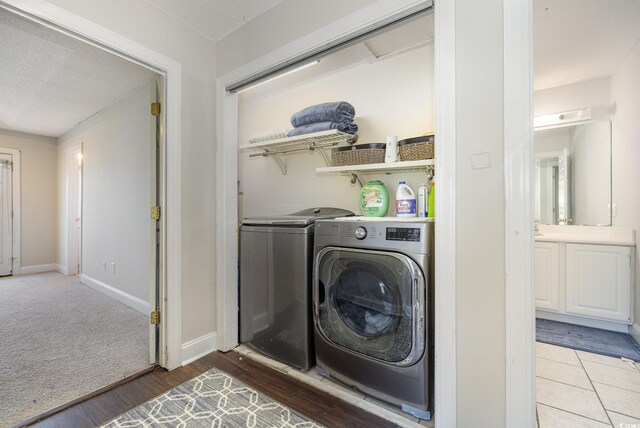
x=359 y=154
x=417 y=148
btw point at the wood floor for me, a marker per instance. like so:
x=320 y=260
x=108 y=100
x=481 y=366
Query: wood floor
x=313 y=403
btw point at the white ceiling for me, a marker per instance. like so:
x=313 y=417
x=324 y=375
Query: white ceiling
x=580 y=40
x=50 y=82
x=214 y=19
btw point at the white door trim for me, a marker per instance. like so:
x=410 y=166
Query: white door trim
x=518 y=158
x=445 y=391
x=227 y=176
x=71 y=200
x=16 y=207
x=103 y=38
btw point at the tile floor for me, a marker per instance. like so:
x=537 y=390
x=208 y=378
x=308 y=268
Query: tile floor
x=581 y=389
x=573 y=389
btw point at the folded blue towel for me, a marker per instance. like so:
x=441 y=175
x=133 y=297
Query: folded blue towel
x=328 y=112
x=344 y=126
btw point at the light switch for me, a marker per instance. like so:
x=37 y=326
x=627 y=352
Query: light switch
x=481 y=160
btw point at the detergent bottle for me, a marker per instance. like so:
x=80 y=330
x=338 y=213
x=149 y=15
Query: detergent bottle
x=405 y=201
x=432 y=200
x=374 y=199
x=423 y=200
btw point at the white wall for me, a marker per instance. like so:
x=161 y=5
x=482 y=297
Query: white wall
x=391 y=97
x=116 y=193
x=38 y=193
x=592 y=93
x=287 y=21
x=555 y=141
x=137 y=20
x=590 y=145
x=480 y=220
x=625 y=95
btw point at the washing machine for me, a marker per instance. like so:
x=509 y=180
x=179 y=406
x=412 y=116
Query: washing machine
x=373 y=307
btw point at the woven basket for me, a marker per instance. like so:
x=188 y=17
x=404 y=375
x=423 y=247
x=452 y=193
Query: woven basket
x=417 y=148
x=359 y=154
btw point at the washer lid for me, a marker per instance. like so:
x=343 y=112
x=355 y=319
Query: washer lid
x=299 y=218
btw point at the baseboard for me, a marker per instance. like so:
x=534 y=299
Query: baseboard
x=62 y=269
x=619 y=327
x=198 y=348
x=122 y=297
x=634 y=331
x=26 y=270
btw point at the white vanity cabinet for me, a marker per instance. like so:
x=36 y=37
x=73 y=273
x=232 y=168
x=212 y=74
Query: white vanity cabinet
x=598 y=281
x=546 y=275
x=584 y=275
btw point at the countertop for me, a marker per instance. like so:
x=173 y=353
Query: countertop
x=599 y=235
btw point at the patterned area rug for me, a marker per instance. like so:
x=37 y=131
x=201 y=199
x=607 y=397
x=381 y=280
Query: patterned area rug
x=213 y=399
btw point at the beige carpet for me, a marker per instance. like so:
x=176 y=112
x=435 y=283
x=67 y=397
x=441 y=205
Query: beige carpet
x=60 y=340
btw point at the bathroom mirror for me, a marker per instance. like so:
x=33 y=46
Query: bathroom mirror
x=573 y=174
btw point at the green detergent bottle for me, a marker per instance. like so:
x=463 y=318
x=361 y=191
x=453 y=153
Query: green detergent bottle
x=374 y=199
x=431 y=211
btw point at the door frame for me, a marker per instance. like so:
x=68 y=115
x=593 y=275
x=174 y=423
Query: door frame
x=71 y=172
x=16 y=208
x=519 y=313
x=227 y=175
x=82 y=29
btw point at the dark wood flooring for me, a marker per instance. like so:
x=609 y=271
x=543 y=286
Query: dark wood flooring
x=311 y=402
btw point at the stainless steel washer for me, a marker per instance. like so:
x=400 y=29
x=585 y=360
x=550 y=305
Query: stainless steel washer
x=372 y=303
x=276 y=258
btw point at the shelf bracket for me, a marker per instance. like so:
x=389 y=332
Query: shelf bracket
x=279 y=161
x=355 y=178
x=324 y=156
x=430 y=172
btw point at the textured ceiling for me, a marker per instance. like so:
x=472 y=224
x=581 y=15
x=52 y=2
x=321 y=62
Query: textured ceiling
x=579 y=40
x=50 y=82
x=214 y=19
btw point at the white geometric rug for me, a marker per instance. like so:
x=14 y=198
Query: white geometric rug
x=213 y=399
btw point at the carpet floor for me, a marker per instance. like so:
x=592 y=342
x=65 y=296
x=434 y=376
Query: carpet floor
x=213 y=399
x=587 y=339
x=60 y=340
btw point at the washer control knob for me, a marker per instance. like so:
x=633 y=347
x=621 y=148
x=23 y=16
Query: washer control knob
x=361 y=232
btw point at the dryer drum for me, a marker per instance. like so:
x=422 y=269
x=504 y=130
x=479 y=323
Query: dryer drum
x=366 y=303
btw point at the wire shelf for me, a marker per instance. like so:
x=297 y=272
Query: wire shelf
x=301 y=142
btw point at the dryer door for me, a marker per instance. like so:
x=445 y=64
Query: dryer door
x=371 y=302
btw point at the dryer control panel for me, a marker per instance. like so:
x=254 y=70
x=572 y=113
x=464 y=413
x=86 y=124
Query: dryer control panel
x=406 y=237
x=403 y=234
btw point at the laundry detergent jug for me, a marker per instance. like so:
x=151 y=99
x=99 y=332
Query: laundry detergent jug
x=374 y=199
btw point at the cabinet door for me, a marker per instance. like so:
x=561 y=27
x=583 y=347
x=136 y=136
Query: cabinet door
x=599 y=281
x=545 y=275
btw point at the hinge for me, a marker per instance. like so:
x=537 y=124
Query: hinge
x=155 y=317
x=155 y=212
x=156 y=109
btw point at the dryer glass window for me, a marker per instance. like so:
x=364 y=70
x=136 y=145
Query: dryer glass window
x=367 y=302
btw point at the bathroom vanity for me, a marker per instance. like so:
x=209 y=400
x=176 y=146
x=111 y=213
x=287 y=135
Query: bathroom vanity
x=584 y=275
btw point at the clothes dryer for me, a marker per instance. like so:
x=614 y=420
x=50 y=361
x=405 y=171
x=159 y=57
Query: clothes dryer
x=372 y=306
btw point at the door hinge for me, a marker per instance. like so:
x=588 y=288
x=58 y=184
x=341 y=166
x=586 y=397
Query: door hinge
x=156 y=109
x=155 y=212
x=155 y=317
